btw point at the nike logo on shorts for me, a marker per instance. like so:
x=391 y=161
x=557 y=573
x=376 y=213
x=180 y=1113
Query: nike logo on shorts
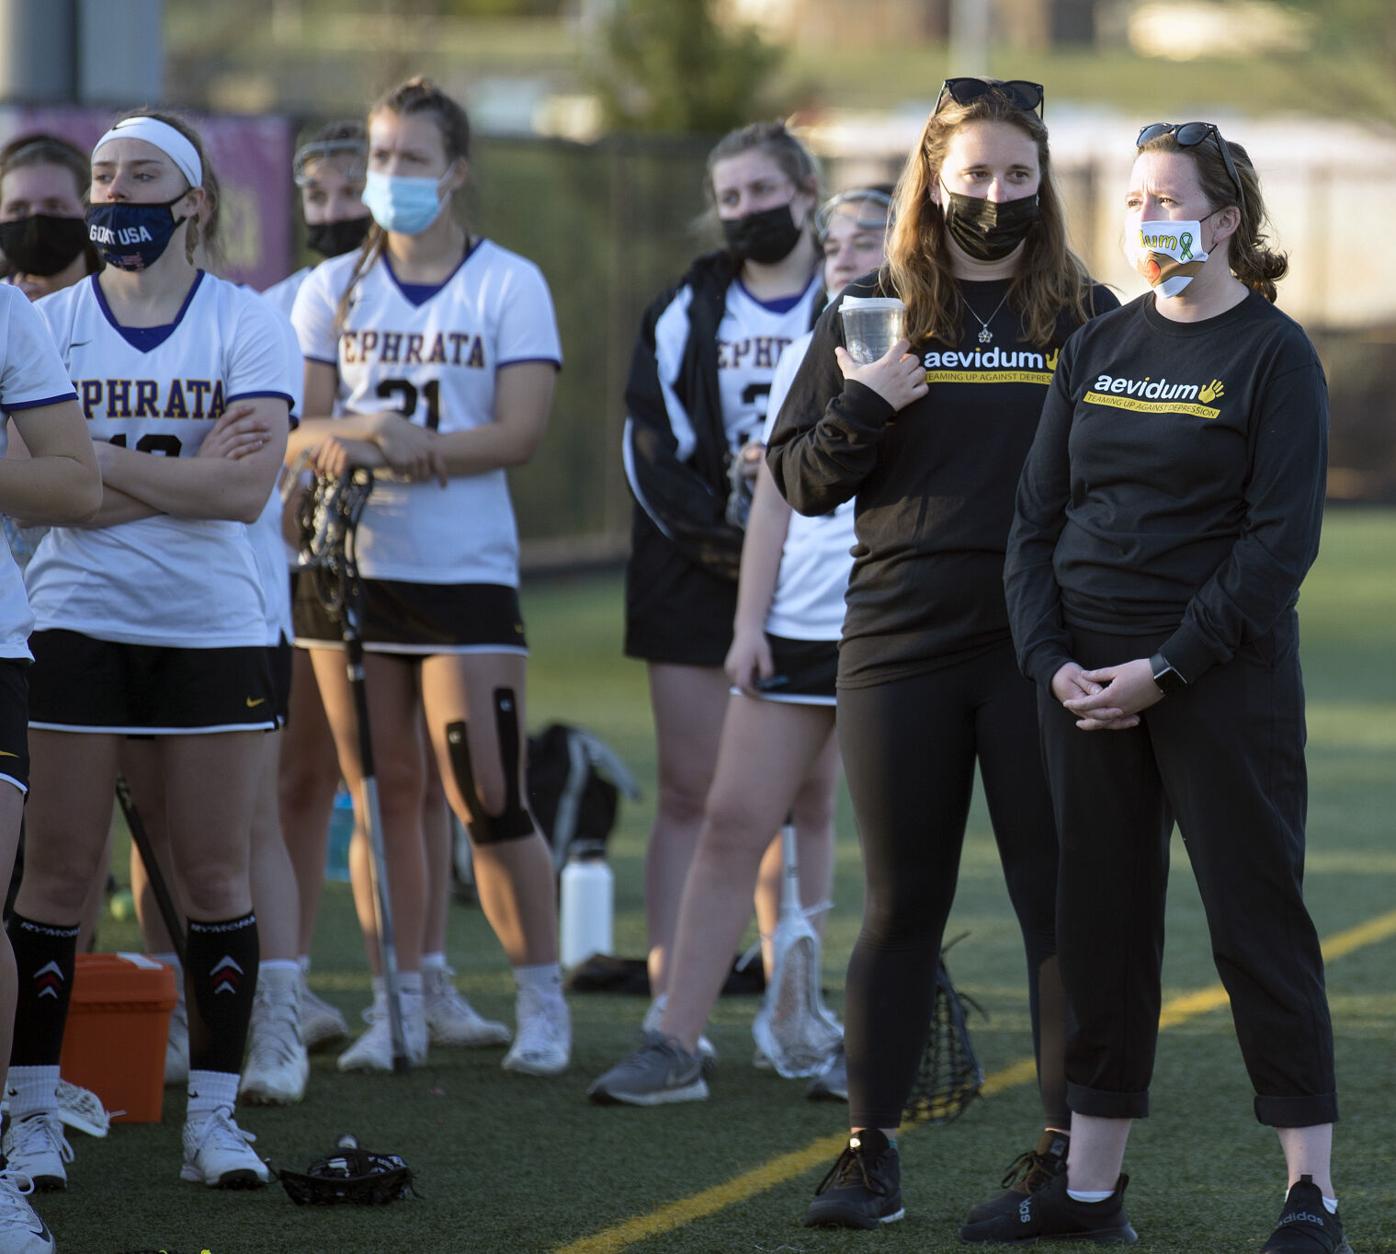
x=254 y=702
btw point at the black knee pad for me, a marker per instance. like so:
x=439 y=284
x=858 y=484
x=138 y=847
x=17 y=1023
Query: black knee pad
x=513 y=823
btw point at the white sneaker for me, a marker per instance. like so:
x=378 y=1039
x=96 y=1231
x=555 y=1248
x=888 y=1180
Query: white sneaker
x=21 y=1230
x=219 y=1154
x=451 y=1020
x=82 y=1109
x=543 y=1042
x=36 y=1147
x=277 y=1066
x=177 y=1046
x=373 y=1051
x=705 y=1049
x=321 y=1023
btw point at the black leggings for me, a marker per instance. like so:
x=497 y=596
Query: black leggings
x=909 y=750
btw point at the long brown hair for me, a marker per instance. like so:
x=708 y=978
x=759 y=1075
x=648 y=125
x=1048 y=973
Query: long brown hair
x=41 y=148
x=1257 y=266
x=416 y=95
x=204 y=226
x=1051 y=278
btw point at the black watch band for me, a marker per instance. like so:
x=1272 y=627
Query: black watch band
x=1167 y=679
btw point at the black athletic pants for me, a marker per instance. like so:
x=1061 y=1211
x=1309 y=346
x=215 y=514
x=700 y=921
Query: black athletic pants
x=1225 y=758
x=909 y=750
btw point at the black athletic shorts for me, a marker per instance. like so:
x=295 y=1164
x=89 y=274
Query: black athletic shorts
x=675 y=611
x=14 y=722
x=80 y=684
x=419 y=619
x=805 y=671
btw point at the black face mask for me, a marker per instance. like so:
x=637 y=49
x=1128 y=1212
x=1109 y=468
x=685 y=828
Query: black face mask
x=767 y=236
x=42 y=244
x=334 y=239
x=988 y=230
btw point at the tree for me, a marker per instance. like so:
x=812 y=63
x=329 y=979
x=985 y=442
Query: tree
x=669 y=66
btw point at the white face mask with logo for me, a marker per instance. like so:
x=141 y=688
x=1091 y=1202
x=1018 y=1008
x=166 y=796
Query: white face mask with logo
x=1168 y=253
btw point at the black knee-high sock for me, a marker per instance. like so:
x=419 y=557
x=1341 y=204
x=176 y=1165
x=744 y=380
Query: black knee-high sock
x=45 y=956
x=220 y=978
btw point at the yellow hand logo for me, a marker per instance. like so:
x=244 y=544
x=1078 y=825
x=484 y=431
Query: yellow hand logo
x=1211 y=391
x=1052 y=359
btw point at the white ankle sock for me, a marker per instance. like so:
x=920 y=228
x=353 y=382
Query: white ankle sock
x=210 y=1091
x=32 y=1090
x=545 y=978
x=303 y=961
x=1330 y=1204
x=433 y=962
x=1090 y=1195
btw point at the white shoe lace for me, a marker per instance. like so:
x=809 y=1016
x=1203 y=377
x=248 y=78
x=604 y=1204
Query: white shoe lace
x=543 y=1024
x=39 y=1134
x=219 y=1131
x=276 y=1032
x=15 y=1187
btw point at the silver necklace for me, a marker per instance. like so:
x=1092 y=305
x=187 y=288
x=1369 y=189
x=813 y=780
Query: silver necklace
x=985 y=335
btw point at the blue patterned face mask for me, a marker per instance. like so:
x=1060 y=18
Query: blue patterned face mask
x=405 y=205
x=132 y=237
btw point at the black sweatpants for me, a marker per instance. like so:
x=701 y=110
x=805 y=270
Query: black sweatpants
x=1225 y=757
x=909 y=750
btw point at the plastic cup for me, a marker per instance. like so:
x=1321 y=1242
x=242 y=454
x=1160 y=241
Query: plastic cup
x=871 y=325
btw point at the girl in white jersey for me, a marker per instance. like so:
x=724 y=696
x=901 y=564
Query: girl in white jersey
x=439 y=350
x=697 y=393
x=150 y=621
x=58 y=483
x=778 y=733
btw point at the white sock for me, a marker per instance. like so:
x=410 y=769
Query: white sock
x=1090 y=1195
x=303 y=961
x=545 y=979
x=409 y=984
x=279 y=976
x=434 y=961
x=210 y=1091
x=1330 y=1204
x=32 y=1091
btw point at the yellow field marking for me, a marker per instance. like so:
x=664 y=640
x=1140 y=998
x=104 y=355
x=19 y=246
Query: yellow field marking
x=786 y=1167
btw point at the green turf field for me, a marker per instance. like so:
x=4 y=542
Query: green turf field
x=507 y=1163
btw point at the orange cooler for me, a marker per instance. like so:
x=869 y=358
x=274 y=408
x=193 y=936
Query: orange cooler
x=118 y=1021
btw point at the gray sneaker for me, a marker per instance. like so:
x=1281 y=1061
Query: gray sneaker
x=660 y=1071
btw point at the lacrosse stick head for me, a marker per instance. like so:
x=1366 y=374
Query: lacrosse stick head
x=350 y=1174
x=793 y=1028
x=329 y=519
x=949 y=1076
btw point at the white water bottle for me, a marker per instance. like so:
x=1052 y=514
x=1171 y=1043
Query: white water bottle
x=588 y=903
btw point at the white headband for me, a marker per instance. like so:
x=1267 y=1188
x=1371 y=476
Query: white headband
x=162 y=136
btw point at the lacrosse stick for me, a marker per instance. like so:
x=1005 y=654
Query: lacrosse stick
x=949 y=1076
x=154 y=872
x=329 y=527
x=794 y=1028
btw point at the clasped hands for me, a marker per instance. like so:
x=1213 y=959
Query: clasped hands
x=1110 y=698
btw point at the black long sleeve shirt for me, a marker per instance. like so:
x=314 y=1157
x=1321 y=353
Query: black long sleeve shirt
x=1175 y=485
x=934 y=483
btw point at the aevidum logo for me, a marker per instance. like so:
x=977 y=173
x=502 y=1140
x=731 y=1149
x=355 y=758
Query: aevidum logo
x=1156 y=396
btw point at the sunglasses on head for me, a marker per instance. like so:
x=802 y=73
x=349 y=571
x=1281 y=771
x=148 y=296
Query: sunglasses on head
x=1020 y=93
x=1189 y=135
x=875 y=216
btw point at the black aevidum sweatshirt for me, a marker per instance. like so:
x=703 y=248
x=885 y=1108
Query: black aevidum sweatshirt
x=934 y=484
x=1175 y=486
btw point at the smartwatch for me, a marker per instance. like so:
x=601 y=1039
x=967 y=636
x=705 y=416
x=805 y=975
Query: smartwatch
x=1167 y=679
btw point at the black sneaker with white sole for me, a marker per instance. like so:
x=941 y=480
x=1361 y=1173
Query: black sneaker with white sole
x=1305 y=1225
x=1051 y=1215
x=863 y=1188
x=659 y=1072
x=1026 y=1174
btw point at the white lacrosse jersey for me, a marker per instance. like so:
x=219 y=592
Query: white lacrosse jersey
x=815 y=563
x=431 y=353
x=268 y=545
x=283 y=294
x=31 y=375
x=174 y=582
x=750 y=339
